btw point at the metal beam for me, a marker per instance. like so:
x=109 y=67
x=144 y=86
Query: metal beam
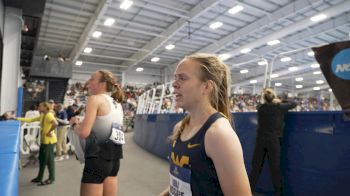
x=258 y=24
x=99 y=12
x=109 y=57
x=300 y=25
x=132 y=30
x=117 y=46
x=153 y=45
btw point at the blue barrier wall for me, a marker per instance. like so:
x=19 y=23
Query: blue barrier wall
x=9 y=156
x=315 y=150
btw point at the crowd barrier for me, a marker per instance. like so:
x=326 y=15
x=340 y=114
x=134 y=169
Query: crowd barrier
x=315 y=149
x=9 y=157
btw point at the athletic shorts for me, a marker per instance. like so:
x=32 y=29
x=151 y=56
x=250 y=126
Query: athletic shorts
x=96 y=170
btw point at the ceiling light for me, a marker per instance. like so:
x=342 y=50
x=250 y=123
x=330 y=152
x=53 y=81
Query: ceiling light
x=316 y=88
x=170 y=47
x=292 y=68
x=245 y=50
x=315 y=65
x=243 y=71
x=319 y=82
x=311 y=53
x=274 y=75
x=273 y=42
x=235 y=9
x=215 y=25
x=285 y=59
x=299 y=86
x=299 y=79
x=126 y=4
x=224 y=57
x=262 y=63
x=253 y=81
x=109 y=22
x=278 y=84
x=155 y=59
x=87 y=50
x=316 y=72
x=96 y=34
x=139 y=69
x=78 y=63
x=318 y=17
x=330 y=90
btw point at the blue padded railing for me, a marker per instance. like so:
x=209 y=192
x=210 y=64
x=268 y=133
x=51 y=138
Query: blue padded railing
x=9 y=157
x=315 y=149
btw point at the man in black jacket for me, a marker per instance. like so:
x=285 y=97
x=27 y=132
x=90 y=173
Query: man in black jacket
x=268 y=140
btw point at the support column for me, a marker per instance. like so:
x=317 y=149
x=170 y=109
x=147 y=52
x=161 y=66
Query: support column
x=11 y=59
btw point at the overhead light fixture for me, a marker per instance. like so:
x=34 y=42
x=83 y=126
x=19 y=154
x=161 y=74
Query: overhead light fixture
x=316 y=72
x=311 y=53
x=285 y=59
x=319 y=82
x=224 y=57
x=87 y=50
x=215 y=25
x=253 y=81
x=126 y=4
x=316 y=88
x=273 y=42
x=155 y=59
x=274 y=76
x=262 y=63
x=235 y=9
x=139 y=69
x=318 y=17
x=299 y=79
x=292 y=68
x=245 y=50
x=278 y=84
x=330 y=90
x=299 y=86
x=315 y=65
x=78 y=63
x=97 y=34
x=170 y=47
x=109 y=22
x=243 y=71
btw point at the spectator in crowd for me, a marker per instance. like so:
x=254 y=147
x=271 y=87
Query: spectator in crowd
x=268 y=140
x=61 y=146
x=48 y=125
x=198 y=165
x=32 y=112
x=102 y=124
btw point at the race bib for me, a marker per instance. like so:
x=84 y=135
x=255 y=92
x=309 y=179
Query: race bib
x=117 y=134
x=180 y=179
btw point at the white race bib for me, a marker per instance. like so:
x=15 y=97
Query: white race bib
x=180 y=179
x=117 y=134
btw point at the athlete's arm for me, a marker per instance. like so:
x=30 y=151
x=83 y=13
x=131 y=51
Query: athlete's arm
x=223 y=147
x=84 y=128
x=166 y=192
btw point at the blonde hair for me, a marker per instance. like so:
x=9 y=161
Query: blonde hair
x=213 y=69
x=112 y=85
x=47 y=105
x=269 y=95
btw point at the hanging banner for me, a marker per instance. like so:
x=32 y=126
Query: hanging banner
x=334 y=60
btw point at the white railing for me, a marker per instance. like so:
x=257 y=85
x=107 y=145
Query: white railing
x=32 y=135
x=151 y=101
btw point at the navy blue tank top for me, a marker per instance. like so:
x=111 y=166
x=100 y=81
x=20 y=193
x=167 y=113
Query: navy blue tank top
x=191 y=170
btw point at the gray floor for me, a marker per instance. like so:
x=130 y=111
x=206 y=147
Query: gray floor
x=141 y=173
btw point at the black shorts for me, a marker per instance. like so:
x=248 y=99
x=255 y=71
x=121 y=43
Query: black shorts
x=96 y=170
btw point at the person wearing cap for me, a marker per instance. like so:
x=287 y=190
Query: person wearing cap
x=268 y=140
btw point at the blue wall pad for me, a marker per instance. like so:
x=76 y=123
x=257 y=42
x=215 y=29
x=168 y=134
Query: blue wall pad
x=315 y=150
